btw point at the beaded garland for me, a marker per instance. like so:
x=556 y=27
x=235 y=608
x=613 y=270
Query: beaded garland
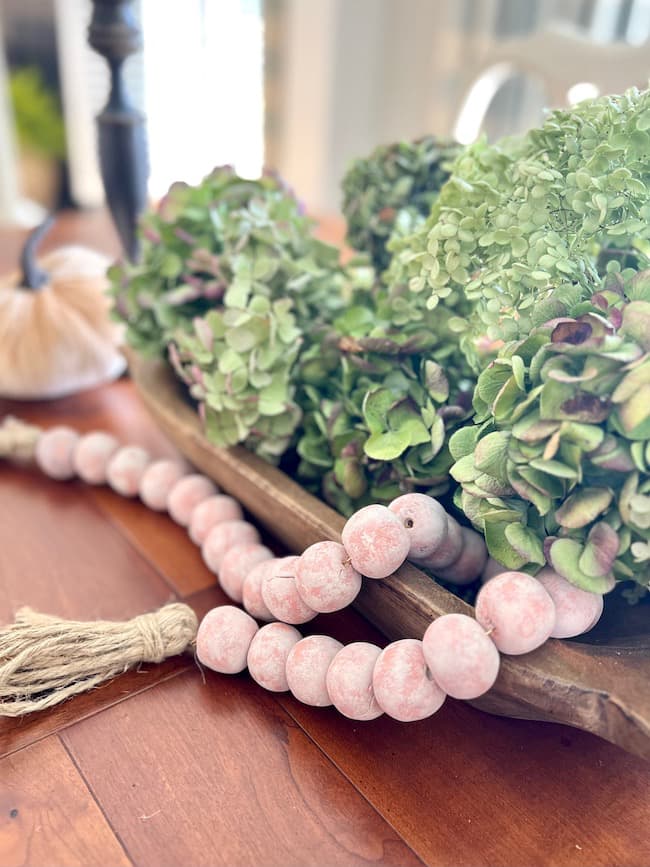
x=409 y=679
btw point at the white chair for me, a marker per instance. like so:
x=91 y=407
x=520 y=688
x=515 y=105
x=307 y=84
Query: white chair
x=561 y=59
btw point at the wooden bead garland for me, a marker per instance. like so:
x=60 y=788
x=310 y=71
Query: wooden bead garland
x=268 y=654
x=126 y=469
x=325 y=578
x=376 y=541
x=252 y=591
x=517 y=611
x=210 y=512
x=307 y=666
x=223 y=639
x=237 y=563
x=91 y=456
x=349 y=681
x=54 y=453
x=224 y=536
x=280 y=593
x=409 y=679
x=189 y=492
x=157 y=481
x=403 y=684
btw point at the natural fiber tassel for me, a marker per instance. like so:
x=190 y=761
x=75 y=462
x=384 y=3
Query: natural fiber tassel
x=18 y=439
x=44 y=660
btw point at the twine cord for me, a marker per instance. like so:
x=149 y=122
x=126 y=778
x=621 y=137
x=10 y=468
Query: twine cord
x=45 y=660
x=18 y=439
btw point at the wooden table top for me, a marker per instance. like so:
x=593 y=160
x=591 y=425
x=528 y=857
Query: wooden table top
x=163 y=766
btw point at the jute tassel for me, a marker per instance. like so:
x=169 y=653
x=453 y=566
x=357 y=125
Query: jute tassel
x=44 y=660
x=18 y=439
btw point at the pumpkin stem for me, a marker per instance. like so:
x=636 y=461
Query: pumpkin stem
x=34 y=277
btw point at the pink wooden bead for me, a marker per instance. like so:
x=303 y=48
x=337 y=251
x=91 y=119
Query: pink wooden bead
x=252 y=591
x=91 y=456
x=280 y=593
x=404 y=687
x=158 y=480
x=469 y=565
x=225 y=536
x=307 y=666
x=54 y=452
x=186 y=494
x=376 y=541
x=517 y=611
x=447 y=552
x=211 y=512
x=223 y=639
x=491 y=569
x=576 y=611
x=126 y=468
x=349 y=681
x=462 y=659
x=324 y=578
x=425 y=521
x=267 y=655
x=237 y=562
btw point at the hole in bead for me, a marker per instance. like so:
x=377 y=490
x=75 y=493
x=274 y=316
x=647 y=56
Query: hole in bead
x=408 y=523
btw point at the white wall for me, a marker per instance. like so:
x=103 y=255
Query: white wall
x=8 y=175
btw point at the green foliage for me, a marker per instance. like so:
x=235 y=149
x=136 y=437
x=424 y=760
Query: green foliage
x=557 y=464
x=221 y=242
x=513 y=238
x=380 y=394
x=231 y=280
x=37 y=114
x=396 y=184
x=237 y=363
x=282 y=347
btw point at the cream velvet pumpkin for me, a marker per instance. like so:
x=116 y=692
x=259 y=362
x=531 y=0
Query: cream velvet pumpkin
x=56 y=337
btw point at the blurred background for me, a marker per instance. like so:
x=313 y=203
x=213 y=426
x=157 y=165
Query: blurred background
x=300 y=85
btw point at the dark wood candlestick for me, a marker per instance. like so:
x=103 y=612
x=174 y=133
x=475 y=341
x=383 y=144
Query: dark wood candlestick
x=114 y=34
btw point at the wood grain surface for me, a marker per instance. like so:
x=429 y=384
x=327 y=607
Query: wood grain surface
x=163 y=767
x=39 y=826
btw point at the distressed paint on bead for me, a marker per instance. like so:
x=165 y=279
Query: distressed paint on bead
x=223 y=639
x=576 y=611
x=325 y=578
x=463 y=660
x=448 y=551
x=403 y=684
x=307 y=666
x=91 y=456
x=376 y=541
x=280 y=593
x=517 y=612
x=212 y=511
x=237 y=562
x=252 y=591
x=471 y=562
x=349 y=681
x=54 y=452
x=126 y=468
x=158 y=480
x=225 y=536
x=425 y=521
x=267 y=655
x=186 y=494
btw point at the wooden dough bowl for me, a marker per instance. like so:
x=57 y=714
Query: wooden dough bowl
x=600 y=683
